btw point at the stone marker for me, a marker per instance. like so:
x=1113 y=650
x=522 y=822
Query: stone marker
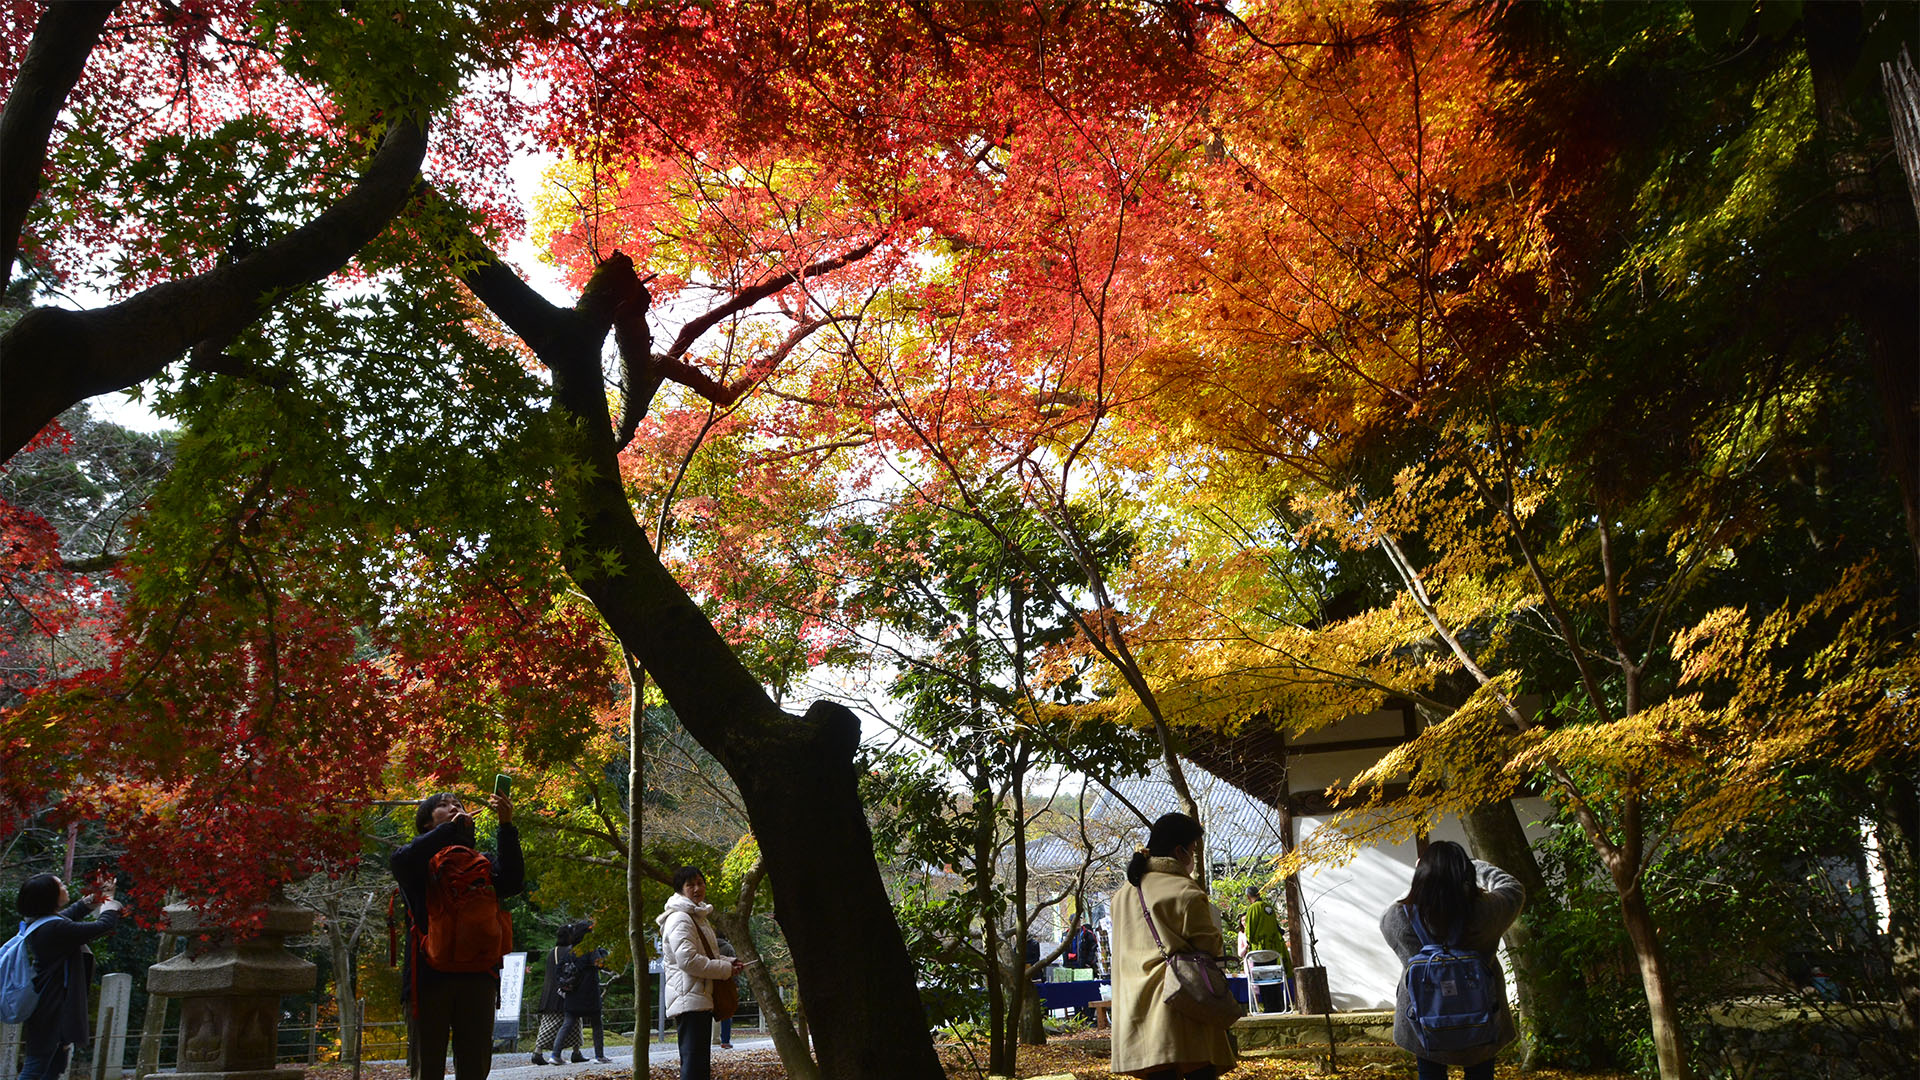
x=9 y=1049
x=230 y=995
x=110 y=1026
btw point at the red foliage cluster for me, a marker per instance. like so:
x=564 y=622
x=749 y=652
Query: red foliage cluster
x=501 y=663
x=227 y=752
x=237 y=733
x=51 y=617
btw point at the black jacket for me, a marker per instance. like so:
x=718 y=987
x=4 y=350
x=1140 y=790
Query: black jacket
x=560 y=963
x=409 y=866
x=63 y=972
x=584 y=973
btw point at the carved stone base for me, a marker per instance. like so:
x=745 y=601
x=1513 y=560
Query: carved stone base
x=229 y=995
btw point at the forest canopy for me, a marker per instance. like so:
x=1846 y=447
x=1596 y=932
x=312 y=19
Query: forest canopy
x=1107 y=379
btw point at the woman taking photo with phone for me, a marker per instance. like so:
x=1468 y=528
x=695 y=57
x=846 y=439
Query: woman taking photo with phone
x=1466 y=905
x=57 y=933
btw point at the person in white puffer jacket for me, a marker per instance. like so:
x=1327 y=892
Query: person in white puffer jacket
x=690 y=952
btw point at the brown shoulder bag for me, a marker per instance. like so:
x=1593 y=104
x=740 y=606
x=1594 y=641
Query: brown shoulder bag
x=1200 y=990
x=726 y=996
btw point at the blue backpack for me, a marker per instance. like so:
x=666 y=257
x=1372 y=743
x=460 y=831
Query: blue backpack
x=18 y=997
x=1451 y=998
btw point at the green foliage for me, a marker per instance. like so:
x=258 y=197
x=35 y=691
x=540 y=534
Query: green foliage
x=1754 y=917
x=388 y=55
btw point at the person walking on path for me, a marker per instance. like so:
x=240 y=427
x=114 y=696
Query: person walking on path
x=1462 y=901
x=559 y=967
x=1150 y=1039
x=450 y=1007
x=582 y=983
x=691 y=952
x=63 y=969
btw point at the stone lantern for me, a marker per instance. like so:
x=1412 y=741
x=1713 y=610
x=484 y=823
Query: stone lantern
x=230 y=994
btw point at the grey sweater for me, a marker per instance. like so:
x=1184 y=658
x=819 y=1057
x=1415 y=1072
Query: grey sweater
x=1493 y=911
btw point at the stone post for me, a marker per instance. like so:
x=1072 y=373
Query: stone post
x=110 y=1026
x=9 y=1049
x=230 y=995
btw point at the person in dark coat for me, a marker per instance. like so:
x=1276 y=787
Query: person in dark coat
x=63 y=970
x=559 y=1031
x=450 y=1007
x=583 y=996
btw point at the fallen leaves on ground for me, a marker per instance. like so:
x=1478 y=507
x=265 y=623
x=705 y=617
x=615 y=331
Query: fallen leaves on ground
x=1086 y=1060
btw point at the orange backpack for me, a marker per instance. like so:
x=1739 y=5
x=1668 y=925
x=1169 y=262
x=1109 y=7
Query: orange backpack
x=467 y=930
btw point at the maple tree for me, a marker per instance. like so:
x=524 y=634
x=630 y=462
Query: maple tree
x=1565 y=512
x=930 y=61
x=1297 y=257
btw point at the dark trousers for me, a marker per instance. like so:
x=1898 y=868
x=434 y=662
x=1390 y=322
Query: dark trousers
x=1273 y=996
x=696 y=1056
x=1204 y=1072
x=453 y=1011
x=1433 y=1070
x=45 y=1066
x=581 y=1020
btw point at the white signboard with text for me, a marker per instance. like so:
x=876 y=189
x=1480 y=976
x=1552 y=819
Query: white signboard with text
x=513 y=978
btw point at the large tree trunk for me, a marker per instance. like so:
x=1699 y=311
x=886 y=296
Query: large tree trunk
x=1879 y=238
x=796 y=1057
x=1496 y=836
x=865 y=1007
x=796 y=774
x=1902 y=86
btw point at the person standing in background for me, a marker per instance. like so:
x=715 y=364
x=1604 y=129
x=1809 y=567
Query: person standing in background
x=690 y=953
x=1083 y=947
x=1264 y=932
x=57 y=935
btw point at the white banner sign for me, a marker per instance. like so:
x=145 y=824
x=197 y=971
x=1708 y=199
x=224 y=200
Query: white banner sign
x=513 y=977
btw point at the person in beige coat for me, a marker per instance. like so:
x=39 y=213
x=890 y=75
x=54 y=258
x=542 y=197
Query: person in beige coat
x=690 y=955
x=1151 y=1040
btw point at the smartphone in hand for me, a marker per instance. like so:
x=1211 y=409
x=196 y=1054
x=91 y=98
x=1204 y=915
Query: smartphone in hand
x=503 y=784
